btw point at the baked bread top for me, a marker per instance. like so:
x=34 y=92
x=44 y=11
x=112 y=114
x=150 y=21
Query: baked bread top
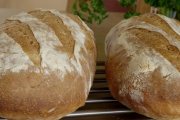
x=44 y=40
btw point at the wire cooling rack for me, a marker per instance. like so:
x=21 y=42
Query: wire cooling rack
x=100 y=105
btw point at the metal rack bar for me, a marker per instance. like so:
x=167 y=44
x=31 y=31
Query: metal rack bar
x=96 y=112
x=101 y=100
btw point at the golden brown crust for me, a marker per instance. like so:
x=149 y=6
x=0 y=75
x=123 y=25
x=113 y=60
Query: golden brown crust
x=160 y=44
x=38 y=96
x=25 y=38
x=142 y=66
x=60 y=81
x=60 y=29
x=157 y=21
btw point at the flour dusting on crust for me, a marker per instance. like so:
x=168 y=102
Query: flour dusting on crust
x=144 y=60
x=53 y=59
x=12 y=57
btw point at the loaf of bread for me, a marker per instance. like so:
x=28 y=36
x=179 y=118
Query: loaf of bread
x=47 y=65
x=143 y=65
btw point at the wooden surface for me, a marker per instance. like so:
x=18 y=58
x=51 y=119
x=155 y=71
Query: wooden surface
x=142 y=7
x=100 y=32
x=32 y=4
x=6 y=12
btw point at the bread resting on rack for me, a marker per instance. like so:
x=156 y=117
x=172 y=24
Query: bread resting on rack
x=47 y=65
x=143 y=65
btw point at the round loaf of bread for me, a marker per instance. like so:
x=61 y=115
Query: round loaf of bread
x=143 y=65
x=47 y=65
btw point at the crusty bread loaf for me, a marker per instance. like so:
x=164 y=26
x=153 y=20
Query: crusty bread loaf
x=47 y=64
x=143 y=65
